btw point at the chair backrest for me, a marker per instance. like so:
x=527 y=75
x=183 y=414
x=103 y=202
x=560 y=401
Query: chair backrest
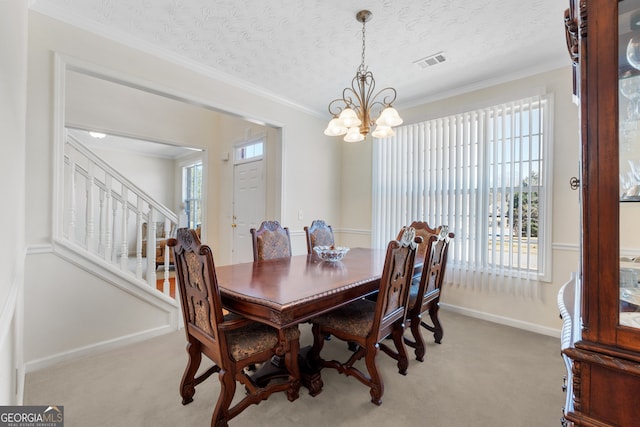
x=428 y=235
x=393 y=296
x=434 y=267
x=199 y=293
x=319 y=234
x=270 y=241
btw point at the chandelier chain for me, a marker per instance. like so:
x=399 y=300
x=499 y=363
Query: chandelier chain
x=362 y=66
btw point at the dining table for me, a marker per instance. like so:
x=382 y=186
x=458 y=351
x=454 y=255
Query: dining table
x=286 y=292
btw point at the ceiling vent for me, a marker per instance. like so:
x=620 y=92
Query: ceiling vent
x=431 y=60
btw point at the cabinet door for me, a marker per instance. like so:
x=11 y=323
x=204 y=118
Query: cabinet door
x=628 y=326
x=604 y=35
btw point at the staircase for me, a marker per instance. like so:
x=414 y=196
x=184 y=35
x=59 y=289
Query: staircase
x=101 y=224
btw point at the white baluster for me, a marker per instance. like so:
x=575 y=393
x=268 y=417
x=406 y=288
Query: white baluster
x=151 y=248
x=102 y=225
x=108 y=230
x=124 y=247
x=89 y=230
x=114 y=209
x=139 y=239
x=72 y=201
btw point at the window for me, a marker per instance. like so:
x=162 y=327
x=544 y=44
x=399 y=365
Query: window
x=484 y=174
x=192 y=193
x=250 y=151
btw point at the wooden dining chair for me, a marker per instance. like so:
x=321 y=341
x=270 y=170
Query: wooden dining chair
x=318 y=234
x=367 y=323
x=270 y=241
x=231 y=342
x=424 y=297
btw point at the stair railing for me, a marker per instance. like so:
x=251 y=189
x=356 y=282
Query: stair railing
x=104 y=214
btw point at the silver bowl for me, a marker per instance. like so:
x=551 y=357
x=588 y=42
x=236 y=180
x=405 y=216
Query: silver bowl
x=331 y=253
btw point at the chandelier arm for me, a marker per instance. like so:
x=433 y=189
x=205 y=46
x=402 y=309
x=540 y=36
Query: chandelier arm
x=375 y=109
x=366 y=86
x=348 y=93
x=362 y=97
x=387 y=99
x=336 y=106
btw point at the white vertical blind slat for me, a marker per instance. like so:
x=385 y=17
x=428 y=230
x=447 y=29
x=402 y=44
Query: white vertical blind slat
x=466 y=171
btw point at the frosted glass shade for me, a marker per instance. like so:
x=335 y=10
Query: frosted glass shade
x=389 y=117
x=382 y=132
x=349 y=118
x=354 y=135
x=335 y=128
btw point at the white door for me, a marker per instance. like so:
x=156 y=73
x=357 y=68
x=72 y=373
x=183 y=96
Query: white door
x=248 y=207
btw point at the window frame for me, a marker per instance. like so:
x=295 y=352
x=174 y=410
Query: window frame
x=414 y=192
x=185 y=167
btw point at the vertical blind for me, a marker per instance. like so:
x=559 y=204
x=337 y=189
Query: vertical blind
x=484 y=173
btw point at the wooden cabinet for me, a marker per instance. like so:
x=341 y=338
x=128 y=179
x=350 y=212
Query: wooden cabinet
x=605 y=378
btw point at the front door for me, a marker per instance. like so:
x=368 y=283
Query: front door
x=248 y=207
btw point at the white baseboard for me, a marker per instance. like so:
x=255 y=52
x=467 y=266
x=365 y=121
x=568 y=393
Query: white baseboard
x=527 y=326
x=96 y=348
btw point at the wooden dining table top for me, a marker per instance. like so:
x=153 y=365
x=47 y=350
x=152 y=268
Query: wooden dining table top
x=286 y=291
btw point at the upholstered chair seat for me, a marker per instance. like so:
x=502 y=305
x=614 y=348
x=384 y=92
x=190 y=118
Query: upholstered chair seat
x=367 y=323
x=426 y=287
x=254 y=338
x=232 y=342
x=354 y=319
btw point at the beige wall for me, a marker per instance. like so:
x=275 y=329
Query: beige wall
x=535 y=309
x=13 y=104
x=65 y=291
x=321 y=177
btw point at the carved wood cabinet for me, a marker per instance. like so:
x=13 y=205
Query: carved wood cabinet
x=605 y=381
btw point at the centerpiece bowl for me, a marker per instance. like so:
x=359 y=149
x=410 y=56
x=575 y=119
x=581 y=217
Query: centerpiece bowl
x=331 y=253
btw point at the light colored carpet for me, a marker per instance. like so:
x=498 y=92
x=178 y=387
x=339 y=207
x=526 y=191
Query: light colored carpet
x=482 y=375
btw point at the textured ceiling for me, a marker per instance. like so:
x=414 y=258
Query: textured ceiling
x=306 y=52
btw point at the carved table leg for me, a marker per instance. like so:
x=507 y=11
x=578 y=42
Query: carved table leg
x=309 y=373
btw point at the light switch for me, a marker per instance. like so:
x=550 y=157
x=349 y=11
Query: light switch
x=300 y=216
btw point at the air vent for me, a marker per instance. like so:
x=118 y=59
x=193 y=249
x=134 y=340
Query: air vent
x=431 y=60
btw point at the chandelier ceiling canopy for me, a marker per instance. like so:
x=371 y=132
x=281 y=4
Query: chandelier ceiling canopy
x=360 y=107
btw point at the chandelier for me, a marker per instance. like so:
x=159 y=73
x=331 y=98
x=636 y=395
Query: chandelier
x=359 y=109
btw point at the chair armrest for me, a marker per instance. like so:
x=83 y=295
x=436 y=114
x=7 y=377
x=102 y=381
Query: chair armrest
x=234 y=323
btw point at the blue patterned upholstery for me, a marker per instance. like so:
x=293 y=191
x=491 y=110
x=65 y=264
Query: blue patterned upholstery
x=319 y=234
x=270 y=241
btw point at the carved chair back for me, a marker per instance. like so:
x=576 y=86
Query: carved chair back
x=270 y=241
x=318 y=234
x=428 y=235
x=199 y=293
x=433 y=271
x=232 y=342
x=393 y=296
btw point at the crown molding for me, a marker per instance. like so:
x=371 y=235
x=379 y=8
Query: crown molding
x=109 y=33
